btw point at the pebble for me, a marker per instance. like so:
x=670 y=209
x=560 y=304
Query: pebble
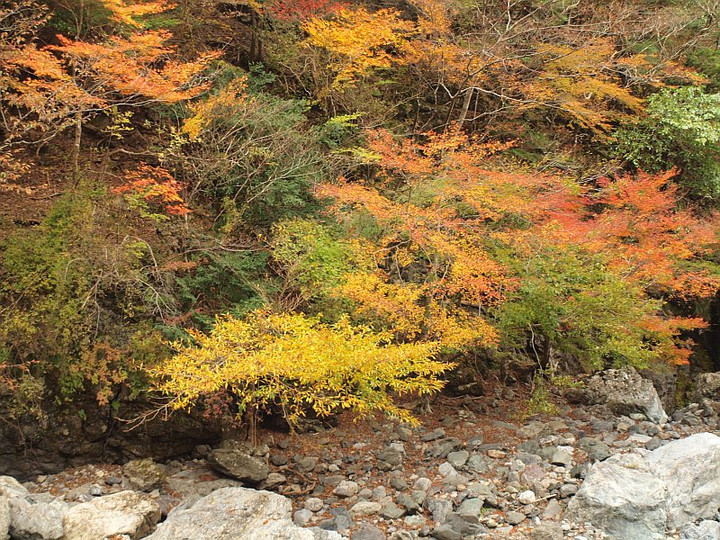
x=527 y=497
x=365 y=508
x=514 y=518
x=346 y=488
x=314 y=504
x=302 y=517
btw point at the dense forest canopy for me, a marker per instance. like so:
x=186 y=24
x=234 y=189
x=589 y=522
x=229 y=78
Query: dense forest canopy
x=314 y=205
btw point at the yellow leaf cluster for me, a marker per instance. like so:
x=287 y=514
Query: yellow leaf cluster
x=359 y=41
x=125 y=13
x=203 y=112
x=584 y=83
x=300 y=364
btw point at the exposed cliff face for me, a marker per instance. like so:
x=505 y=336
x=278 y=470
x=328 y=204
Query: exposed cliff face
x=64 y=439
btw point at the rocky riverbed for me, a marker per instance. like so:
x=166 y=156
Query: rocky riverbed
x=610 y=465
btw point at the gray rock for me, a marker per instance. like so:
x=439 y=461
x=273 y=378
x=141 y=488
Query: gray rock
x=707 y=385
x=37 y=520
x=438 y=433
x=439 y=509
x=483 y=491
x=365 y=508
x=302 y=517
x=422 y=484
x=144 y=474
x=368 y=532
x=626 y=392
x=470 y=509
x=238 y=464
x=390 y=510
x=398 y=482
x=389 y=459
x=514 y=518
x=623 y=497
x=477 y=464
x=273 y=480
x=306 y=464
x=197 y=483
x=415 y=521
x=346 y=488
x=314 y=504
x=547 y=531
x=458 y=459
x=552 y=510
x=561 y=457
x=125 y=513
x=232 y=514
x=410 y=504
x=442 y=448
x=446 y=532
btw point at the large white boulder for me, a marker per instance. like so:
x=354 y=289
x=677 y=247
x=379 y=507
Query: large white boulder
x=125 y=513
x=640 y=496
x=234 y=513
x=37 y=517
x=4 y=518
x=691 y=469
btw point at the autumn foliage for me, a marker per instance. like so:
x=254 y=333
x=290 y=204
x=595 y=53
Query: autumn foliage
x=322 y=205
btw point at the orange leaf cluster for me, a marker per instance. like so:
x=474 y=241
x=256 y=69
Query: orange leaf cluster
x=126 y=66
x=156 y=187
x=441 y=205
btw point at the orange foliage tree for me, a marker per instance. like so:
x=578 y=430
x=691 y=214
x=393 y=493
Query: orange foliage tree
x=49 y=88
x=457 y=240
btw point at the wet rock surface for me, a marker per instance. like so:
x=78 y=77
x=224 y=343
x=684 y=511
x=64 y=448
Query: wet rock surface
x=474 y=470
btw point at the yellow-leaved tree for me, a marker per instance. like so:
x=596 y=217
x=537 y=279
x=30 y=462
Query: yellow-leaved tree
x=299 y=364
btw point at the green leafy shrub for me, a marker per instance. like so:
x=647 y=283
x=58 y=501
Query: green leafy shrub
x=682 y=130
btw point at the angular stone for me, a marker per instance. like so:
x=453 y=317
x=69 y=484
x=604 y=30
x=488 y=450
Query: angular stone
x=562 y=458
x=439 y=509
x=238 y=464
x=477 y=464
x=470 y=509
x=514 y=518
x=626 y=392
x=125 y=513
x=390 y=510
x=368 y=532
x=446 y=532
x=346 y=488
x=547 y=531
x=365 y=508
x=458 y=459
x=144 y=474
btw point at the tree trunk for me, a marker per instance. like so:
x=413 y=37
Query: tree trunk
x=76 y=147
